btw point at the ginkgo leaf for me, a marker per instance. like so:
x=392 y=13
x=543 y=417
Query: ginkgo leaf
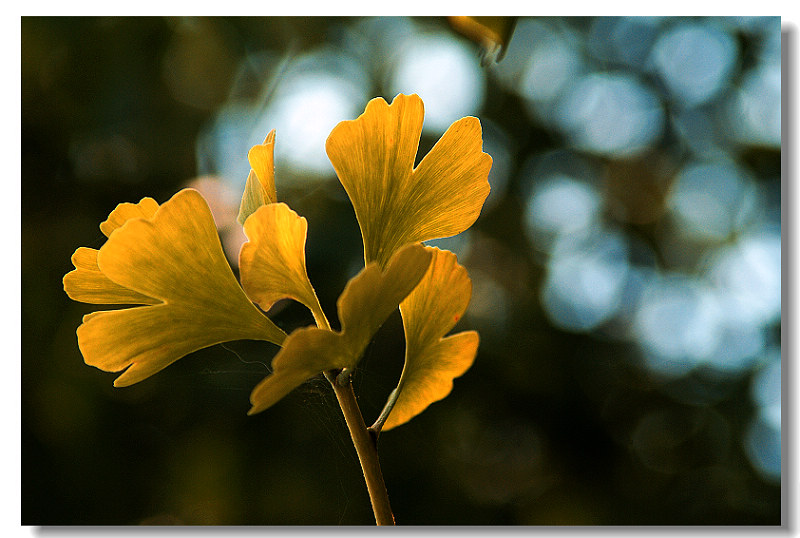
x=125 y=211
x=273 y=261
x=372 y=295
x=432 y=361
x=367 y=300
x=175 y=258
x=305 y=353
x=87 y=283
x=260 y=187
x=395 y=203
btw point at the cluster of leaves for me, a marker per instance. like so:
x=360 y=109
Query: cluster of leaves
x=166 y=261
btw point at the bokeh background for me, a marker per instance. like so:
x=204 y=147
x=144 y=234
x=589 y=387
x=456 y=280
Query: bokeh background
x=626 y=271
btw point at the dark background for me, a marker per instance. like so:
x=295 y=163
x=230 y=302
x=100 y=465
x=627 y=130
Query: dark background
x=624 y=269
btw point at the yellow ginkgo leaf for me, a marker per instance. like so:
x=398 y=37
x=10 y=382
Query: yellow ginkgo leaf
x=87 y=283
x=432 y=361
x=367 y=300
x=305 y=353
x=125 y=211
x=273 y=262
x=395 y=203
x=176 y=259
x=371 y=296
x=260 y=187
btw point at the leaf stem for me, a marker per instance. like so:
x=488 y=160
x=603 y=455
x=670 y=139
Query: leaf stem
x=366 y=448
x=375 y=429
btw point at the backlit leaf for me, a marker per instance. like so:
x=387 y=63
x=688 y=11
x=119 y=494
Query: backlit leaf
x=87 y=283
x=260 y=187
x=125 y=211
x=395 y=203
x=273 y=261
x=432 y=361
x=176 y=259
x=367 y=300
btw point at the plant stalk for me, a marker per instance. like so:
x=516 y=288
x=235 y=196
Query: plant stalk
x=366 y=448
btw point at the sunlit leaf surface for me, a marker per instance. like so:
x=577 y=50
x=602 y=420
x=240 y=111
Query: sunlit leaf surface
x=260 y=187
x=174 y=258
x=273 y=261
x=394 y=202
x=367 y=300
x=87 y=283
x=125 y=211
x=432 y=361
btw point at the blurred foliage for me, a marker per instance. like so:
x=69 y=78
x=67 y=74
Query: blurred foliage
x=562 y=420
